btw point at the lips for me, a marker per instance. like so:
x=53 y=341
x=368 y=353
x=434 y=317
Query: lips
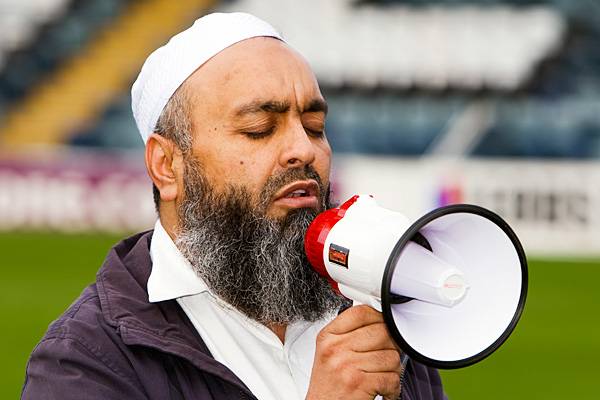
x=300 y=194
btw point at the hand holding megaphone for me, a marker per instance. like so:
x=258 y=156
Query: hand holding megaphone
x=451 y=286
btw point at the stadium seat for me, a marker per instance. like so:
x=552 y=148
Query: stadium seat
x=394 y=107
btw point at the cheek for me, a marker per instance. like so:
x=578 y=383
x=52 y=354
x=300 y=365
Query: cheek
x=223 y=170
x=323 y=162
x=250 y=173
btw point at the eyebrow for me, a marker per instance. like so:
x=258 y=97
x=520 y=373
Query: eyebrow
x=317 y=105
x=271 y=106
x=279 y=107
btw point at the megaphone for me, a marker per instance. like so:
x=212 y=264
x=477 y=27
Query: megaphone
x=451 y=285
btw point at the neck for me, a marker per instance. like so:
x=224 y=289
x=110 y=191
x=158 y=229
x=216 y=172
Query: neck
x=168 y=219
x=279 y=330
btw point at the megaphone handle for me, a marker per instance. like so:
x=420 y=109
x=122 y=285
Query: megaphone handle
x=359 y=297
x=373 y=304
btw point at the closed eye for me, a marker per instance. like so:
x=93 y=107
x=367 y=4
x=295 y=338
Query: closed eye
x=315 y=133
x=255 y=135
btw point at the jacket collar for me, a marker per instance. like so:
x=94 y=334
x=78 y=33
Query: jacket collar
x=122 y=282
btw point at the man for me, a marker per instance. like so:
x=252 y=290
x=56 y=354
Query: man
x=219 y=302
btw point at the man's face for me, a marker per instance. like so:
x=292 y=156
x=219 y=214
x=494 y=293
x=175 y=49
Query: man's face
x=257 y=112
x=257 y=176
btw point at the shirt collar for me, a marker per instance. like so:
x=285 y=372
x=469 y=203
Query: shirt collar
x=172 y=275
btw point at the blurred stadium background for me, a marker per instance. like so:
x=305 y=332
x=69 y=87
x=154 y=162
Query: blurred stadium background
x=493 y=102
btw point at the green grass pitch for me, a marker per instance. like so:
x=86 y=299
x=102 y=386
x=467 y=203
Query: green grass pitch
x=551 y=355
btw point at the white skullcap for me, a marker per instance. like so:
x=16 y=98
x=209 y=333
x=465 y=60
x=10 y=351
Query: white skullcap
x=170 y=65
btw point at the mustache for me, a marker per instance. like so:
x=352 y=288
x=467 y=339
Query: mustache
x=198 y=189
x=276 y=182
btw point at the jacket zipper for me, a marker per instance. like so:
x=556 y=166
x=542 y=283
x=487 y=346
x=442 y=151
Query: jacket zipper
x=404 y=360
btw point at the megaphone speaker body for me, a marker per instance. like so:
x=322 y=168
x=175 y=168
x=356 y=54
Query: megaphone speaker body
x=450 y=298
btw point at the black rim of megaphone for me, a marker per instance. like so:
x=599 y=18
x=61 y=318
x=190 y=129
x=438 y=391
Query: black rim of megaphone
x=387 y=296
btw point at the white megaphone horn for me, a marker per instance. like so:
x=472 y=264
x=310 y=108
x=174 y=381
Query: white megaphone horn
x=451 y=285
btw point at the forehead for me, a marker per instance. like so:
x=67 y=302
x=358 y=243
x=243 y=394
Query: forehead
x=257 y=69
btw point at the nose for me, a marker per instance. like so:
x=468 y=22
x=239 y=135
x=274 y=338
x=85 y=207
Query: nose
x=298 y=149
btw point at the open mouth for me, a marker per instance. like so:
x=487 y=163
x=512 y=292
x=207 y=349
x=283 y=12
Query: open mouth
x=299 y=194
x=297 y=189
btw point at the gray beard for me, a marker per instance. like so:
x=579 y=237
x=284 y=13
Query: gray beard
x=254 y=263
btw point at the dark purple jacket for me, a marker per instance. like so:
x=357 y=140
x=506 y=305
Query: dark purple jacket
x=113 y=344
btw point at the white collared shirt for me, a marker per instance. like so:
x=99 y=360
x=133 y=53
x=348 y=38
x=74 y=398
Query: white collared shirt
x=272 y=370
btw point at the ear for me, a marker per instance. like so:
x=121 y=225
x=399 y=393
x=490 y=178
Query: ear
x=162 y=160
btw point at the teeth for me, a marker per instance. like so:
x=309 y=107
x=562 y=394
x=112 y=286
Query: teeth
x=297 y=193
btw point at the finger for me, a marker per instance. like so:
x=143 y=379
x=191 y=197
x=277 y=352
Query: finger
x=371 y=337
x=378 y=361
x=354 y=318
x=386 y=384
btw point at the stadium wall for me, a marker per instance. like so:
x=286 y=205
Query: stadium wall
x=554 y=206
x=73 y=192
